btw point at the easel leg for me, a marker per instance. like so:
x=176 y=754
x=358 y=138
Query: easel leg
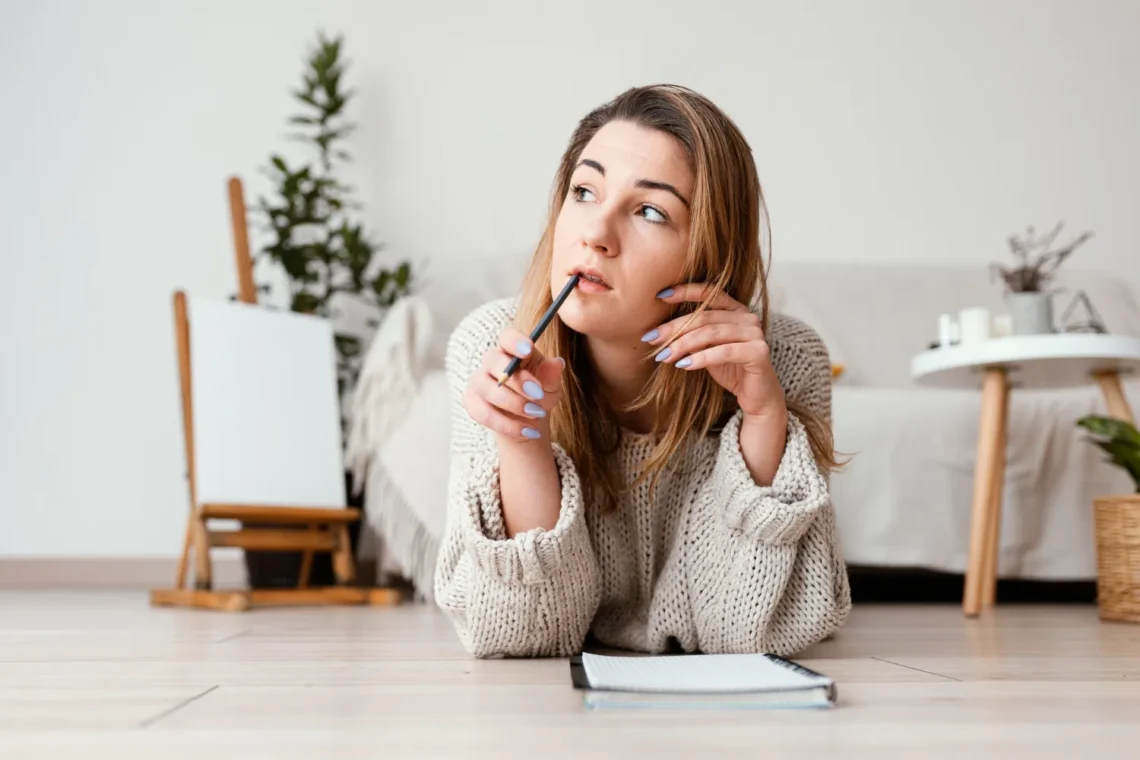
x=989 y=429
x=184 y=560
x=342 y=555
x=203 y=571
x=1114 y=399
x=989 y=587
x=307 y=563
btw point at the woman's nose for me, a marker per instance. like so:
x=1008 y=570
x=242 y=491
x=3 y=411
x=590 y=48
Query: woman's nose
x=599 y=236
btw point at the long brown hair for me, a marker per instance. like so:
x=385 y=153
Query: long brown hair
x=728 y=231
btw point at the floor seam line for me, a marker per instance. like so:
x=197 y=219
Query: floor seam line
x=920 y=670
x=165 y=713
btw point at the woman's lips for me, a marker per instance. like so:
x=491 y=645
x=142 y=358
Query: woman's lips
x=587 y=284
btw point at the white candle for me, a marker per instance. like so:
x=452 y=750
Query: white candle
x=974 y=324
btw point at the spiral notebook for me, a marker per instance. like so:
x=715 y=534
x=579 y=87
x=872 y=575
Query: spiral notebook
x=698 y=681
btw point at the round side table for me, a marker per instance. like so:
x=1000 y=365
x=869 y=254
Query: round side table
x=1058 y=360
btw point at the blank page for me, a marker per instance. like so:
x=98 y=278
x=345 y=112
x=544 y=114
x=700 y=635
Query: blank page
x=699 y=673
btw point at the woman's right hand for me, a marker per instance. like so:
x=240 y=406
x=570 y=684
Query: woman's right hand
x=518 y=410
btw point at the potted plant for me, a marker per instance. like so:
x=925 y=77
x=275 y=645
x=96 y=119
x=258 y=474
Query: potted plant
x=1035 y=264
x=326 y=257
x=1117 y=522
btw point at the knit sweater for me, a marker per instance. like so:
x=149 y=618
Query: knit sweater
x=712 y=562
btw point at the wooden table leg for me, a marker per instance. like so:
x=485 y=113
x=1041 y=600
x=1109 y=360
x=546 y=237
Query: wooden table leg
x=989 y=430
x=1114 y=398
x=989 y=574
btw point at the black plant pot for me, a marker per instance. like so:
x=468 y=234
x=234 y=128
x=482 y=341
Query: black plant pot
x=271 y=570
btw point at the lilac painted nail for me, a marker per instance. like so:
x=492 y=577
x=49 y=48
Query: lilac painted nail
x=663 y=355
x=532 y=389
x=666 y=293
x=534 y=410
x=522 y=348
x=651 y=335
x=683 y=363
x=530 y=433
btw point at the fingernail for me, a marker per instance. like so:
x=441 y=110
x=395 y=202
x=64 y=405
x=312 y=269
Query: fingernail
x=683 y=363
x=530 y=433
x=663 y=355
x=561 y=361
x=532 y=389
x=651 y=335
x=534 y=410
x=665 y=293
x=522 y=348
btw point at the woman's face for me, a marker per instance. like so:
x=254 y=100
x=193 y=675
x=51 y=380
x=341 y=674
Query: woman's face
x=625 y=222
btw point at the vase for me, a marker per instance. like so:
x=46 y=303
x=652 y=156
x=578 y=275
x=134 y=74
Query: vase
x=1031 y=313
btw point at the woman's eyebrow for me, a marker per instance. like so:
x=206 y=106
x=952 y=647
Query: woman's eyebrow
x=650 y=184
x=593 y=165
x=655 y=185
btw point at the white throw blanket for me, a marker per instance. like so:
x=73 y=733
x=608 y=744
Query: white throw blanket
x=398 y=441
x=401 y=352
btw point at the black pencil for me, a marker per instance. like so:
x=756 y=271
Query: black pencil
x=542 y=324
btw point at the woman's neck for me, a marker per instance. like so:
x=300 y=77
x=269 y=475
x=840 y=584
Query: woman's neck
x=623 y=372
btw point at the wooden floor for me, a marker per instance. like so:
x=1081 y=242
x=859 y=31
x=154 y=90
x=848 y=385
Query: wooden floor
x=90 y=675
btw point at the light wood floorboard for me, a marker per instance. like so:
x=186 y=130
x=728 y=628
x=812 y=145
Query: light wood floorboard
x=104 y=675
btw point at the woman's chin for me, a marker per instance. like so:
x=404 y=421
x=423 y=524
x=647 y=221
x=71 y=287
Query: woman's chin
x=589 y=317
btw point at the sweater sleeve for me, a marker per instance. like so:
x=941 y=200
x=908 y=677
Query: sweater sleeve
x=534 y=594
x=766 y=568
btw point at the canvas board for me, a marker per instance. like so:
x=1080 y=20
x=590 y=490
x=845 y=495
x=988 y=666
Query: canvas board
x=265 y=407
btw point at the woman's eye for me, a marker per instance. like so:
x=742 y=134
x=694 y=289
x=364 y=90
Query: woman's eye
x=653 y=215
x=582 y=194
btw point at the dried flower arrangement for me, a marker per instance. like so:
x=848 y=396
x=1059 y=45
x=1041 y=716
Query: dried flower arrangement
x=1031 y=273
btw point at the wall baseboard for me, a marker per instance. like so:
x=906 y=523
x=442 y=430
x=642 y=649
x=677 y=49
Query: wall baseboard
x=99 y=573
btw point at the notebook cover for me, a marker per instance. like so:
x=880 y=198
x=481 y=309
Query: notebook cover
x=581 y=680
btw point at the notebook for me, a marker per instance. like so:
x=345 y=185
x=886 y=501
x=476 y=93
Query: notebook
x=698 y=681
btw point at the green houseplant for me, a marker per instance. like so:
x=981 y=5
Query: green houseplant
x=1117 y=522
x=325 y=256
x=1120 y=440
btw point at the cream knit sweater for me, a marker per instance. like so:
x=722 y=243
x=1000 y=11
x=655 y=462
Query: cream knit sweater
x=714 y=563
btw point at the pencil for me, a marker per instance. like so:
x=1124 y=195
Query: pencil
x=542 y=325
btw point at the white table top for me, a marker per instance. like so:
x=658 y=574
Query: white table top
x=1060 y=360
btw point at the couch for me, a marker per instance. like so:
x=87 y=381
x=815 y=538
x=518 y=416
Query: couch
x=904 y=498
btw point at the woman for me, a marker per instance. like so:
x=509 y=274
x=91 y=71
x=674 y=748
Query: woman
x=656 y=474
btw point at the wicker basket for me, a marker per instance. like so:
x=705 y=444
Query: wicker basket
x=1117 y=520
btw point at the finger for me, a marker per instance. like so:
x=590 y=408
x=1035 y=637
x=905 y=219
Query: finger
x=664 y=333
x=522 y=381
x=514 y=342
x=753 y=353
x=506 y=399
x=499 y=421
x=715 y=334
x=697 y=291
x=549 y=375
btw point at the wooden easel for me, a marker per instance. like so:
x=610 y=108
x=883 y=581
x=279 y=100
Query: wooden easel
x=316 y=529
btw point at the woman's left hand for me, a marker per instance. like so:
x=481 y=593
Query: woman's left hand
x=727 y=340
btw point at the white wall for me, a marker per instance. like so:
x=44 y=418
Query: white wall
x=883 y=130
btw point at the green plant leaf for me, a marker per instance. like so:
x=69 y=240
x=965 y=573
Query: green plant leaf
x=305 y=302
x=348 y=345
x=1110 y=427
x=1127 y=460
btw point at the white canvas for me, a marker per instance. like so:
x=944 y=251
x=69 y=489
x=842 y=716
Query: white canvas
x=266 y=416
